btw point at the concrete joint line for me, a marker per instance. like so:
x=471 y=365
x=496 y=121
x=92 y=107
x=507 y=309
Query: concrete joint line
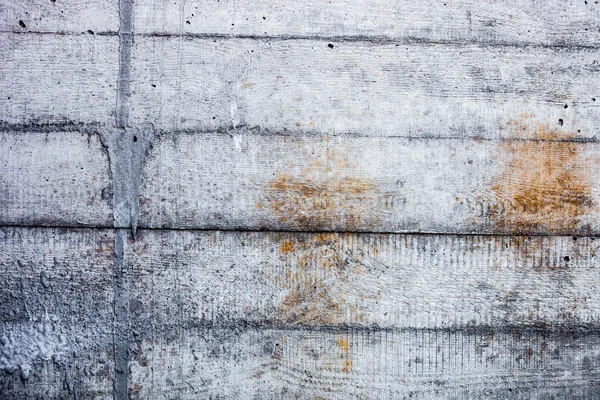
x=126 y=148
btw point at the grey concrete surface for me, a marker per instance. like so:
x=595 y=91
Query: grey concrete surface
x=299 y=200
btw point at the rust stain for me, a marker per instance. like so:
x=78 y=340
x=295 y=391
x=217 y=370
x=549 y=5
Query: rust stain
x=287 y=247
x=327 y=194
x=105 y=245
x=321 y=283
x=546 y=186
x=345 y=345
x=311 y=188
x=525 y=127
x=248 y=85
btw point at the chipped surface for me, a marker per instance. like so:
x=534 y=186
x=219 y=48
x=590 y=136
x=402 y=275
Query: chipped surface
x=56 y=313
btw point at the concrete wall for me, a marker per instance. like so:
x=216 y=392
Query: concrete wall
x=314 y=200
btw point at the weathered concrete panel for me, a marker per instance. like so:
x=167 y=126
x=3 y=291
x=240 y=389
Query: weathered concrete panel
x=390 y=281
x=500 y=22
x=57 y=79
x=56 y=313
x=54 y=179
x=62 y=16
x=365 y=88
x=361 y=364
x=241 y=180
x=455 y=118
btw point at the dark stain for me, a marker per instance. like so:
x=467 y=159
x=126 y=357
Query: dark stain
x=139 y=356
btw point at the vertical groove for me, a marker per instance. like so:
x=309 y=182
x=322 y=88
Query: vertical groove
x=121 y=293
x=124 y=78
x=121 y=317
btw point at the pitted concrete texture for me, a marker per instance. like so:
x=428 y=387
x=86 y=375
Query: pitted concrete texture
x=299 y=200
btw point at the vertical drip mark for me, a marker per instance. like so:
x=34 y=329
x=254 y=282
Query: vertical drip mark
x=121 y=294
x=121 y=317
x=124 y=78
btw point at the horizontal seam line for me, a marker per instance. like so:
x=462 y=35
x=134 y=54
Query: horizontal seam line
x=589 y=329
x=312 y=232
x=93 y=128
x=61 y=33
x=407 y=40
x=228 y=132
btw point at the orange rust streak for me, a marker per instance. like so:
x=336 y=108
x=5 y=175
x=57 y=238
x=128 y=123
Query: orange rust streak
x=310 y=188
x=326 y=194
x=287 y=247
x=347 y=366
x=345 y=345
x=546 y=186
x=315 y=204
